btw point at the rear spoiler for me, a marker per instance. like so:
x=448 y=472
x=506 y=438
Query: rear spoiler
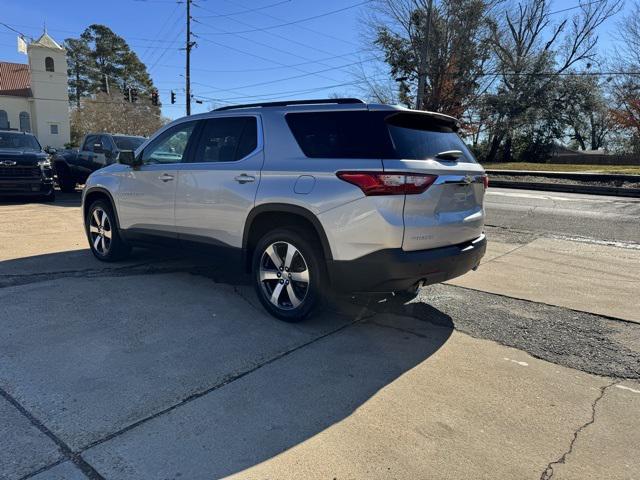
x=420 y=119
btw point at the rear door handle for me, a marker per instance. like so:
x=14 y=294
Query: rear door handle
x=244 y=178
x=165 y=177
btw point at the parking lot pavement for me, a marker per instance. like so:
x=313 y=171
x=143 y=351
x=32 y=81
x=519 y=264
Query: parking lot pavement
x=166 y=368
x=581 y=275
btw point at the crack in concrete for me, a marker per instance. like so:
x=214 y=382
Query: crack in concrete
x=225 y=381
x=548 y=472
x=65 y=450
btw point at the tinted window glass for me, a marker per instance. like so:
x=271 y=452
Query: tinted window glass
x=340 y=134
x=227 y=139
x=89 y=142
x=349 y=134
x=169 y=147
x=18 y=141
x=418 y=137
x=128 y=143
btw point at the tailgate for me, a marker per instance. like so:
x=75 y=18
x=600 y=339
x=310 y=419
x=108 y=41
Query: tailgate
x=450 y=211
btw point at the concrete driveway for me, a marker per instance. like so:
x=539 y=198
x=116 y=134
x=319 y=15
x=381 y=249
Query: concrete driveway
x=163 y=367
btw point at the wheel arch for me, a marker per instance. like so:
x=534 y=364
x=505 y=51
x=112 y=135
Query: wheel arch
x=272 y=215
x=99 y=193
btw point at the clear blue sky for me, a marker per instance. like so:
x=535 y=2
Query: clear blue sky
x=242 y=66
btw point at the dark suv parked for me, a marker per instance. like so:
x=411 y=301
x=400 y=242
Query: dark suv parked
x=98 y=150
x=25 y=168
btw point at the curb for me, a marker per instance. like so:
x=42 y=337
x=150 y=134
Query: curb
x=558 y=187
x=581 y=176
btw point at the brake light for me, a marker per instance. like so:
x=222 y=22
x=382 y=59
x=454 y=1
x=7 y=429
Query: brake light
x=388 y=183
x=485 y=181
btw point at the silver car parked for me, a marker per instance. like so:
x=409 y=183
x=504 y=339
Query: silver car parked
x=310 y=195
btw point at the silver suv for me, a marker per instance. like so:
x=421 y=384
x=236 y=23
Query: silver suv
x=310 y=195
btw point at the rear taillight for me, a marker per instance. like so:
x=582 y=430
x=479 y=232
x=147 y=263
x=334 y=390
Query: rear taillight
x=485 y=181
x=388 y=183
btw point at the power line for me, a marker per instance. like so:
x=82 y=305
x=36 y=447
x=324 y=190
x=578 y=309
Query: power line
x=164 y=24
x=279 y=50
x=273 y=34
x=270 y=82
x=248 y=10
x=302 y=27
x=265 y=69
x=576 y=7
x=271 y=27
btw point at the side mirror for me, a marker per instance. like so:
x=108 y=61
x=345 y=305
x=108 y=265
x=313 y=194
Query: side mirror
x=50 y=150
x=127 y=157
x=450 y=155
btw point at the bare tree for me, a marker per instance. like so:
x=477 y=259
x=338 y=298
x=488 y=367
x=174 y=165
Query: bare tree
x=108 y=113
x=626 y=88
x=448 y=43
x=532 y=51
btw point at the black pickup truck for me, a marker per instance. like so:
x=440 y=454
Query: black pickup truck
x=98 y=150
x=25 y=167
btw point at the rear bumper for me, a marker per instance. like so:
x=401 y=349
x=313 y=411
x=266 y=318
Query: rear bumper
x=25 y=186
x=395 y=269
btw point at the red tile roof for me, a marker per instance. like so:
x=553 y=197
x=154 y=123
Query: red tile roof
x=15 y=79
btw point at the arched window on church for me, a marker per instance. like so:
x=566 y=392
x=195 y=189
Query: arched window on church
x=25 y=122
x=4 y=120
x=48 y=64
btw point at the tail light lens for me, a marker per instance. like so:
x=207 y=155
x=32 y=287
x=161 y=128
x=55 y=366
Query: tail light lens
x=389 y=183
x=485 y=180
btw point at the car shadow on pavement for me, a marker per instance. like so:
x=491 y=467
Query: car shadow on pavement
x=183 y=355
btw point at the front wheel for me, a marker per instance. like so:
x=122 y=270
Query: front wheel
x=102 y=232
x=289 y=274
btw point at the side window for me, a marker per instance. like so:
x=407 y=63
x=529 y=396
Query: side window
x=89 y=142
x=25 y=122
x=171 y=146
x=341 y=134
x=107 y=144
x=4 y=120
x=227 y=139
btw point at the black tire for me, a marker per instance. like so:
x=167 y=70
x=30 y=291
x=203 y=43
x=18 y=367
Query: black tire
x=309 y=255
x=65 y=180
x=114 y=248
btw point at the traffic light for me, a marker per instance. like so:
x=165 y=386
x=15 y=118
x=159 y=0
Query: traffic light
x=173 y=97
x=154 y=98
x=134 y=95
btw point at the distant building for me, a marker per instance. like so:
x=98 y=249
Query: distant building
x=33 y=96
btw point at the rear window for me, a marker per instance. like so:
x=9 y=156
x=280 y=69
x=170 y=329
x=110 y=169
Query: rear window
x=364 y=134
x=128 y=143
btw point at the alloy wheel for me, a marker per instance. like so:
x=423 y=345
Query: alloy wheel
x=100 y=231
x=284 y=275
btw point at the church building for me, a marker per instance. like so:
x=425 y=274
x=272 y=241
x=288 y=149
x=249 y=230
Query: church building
x=33 y=96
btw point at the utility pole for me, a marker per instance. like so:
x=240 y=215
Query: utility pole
x=422 y=73
x=187 y=75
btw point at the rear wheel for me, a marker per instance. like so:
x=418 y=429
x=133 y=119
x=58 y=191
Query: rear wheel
x=104 y=238
x=289 y=274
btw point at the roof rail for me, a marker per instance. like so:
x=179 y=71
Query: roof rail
x=340 y=101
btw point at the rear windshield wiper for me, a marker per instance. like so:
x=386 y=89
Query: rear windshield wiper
x=450 y=155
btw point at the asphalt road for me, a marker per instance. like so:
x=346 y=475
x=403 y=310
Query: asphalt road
x=163 y=366
x=572 y=215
